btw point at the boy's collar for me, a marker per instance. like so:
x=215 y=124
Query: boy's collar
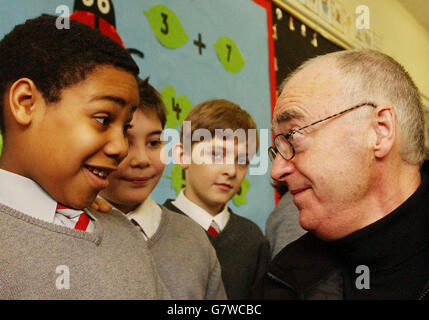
x=26 y=196
x=198 y=214
x=147 y=215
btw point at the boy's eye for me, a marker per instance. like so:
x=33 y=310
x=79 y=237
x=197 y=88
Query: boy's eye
x=155 y=143
x=243 y=160
x=104 y=120
x=217 y=154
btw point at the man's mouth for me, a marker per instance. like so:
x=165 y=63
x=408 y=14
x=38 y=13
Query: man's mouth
x=296 y=191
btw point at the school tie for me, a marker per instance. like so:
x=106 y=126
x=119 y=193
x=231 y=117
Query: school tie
x=213 y=229
x=73 y=219
x=140 y=228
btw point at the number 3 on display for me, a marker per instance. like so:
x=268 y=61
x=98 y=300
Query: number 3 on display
x=166 y=26
x=164 y=21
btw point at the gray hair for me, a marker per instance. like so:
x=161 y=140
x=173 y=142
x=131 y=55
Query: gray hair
x=371 y=76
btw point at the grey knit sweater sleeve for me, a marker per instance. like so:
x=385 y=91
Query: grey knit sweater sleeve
x=185 y=259
x=282 y=225
x=40 y=260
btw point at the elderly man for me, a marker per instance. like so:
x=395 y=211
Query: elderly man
x=350 y=144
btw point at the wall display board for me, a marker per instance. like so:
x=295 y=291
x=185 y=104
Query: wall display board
x=295 y=42
x=192 y=51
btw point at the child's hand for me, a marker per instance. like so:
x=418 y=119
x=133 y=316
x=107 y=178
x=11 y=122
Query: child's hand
x=101 y=205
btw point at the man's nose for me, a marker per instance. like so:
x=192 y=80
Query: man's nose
x=281 y=168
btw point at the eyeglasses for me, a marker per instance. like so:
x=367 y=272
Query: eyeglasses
x=283 y=141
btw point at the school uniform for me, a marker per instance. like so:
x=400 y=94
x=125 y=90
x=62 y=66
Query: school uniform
x=43 y=256
x=188 y=274
x=242 y=249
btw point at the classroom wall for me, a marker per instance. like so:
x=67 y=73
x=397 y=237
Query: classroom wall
x=405 y=40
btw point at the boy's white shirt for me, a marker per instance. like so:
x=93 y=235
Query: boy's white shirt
x=147 y=215
x=27 y=196
x=199 y=215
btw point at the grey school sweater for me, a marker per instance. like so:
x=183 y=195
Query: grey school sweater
x=185 y=258
x=40 y=260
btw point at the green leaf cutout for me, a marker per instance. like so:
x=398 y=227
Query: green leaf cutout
x=240 y=196
x=166 y=26
x=177 y=107
x=229 y=54
x=177 y=178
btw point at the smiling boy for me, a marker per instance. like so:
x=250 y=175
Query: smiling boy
x=139 y=173
x=68 y=97
x=188 y=274
x=83 y=120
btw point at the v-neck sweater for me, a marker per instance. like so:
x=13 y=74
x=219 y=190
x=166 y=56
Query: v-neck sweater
x=41 y=260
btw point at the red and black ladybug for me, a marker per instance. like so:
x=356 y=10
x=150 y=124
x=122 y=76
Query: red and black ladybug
x=98 y=14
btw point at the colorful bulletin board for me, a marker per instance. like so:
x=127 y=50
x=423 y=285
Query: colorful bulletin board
x=193 y=51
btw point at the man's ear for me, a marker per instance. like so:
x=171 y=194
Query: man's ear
x=179 y=156
x=385 y=130
x=22 y=96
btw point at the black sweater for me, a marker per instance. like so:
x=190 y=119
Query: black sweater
x=394 y=250
x=243 y=253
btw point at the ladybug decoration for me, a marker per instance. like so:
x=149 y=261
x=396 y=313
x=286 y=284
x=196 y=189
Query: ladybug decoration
x=99 y=14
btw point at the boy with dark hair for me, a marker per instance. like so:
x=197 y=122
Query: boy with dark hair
x=68 y=97
x=185 y=259
x=242 y=250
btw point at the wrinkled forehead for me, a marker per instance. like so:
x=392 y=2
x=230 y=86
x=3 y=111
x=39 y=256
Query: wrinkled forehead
x=310 y=94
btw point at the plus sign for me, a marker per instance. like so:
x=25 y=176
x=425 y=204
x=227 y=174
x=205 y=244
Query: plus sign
x=200 y=44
